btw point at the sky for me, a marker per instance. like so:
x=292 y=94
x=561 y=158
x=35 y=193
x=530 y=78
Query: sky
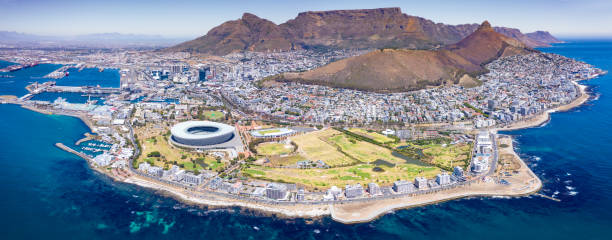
x=192 y=18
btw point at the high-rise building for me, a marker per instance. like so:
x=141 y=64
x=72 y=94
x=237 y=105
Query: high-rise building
x=202 y=73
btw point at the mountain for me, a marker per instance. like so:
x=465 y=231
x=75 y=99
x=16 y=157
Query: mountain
x=486 y=45
x=543 y=37
x=405 y=69
x=363 y=28
x=247 y=33
x=98 y=40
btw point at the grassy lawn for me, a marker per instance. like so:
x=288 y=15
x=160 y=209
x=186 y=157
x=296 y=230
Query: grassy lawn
x=448 y=156
x=364 y=151
x=158 y=143
x=352 y=161
x=268 y=131
x=277 y=161
x=213 y=115
x=313 y=147
x=373 y=135
x=272 y=148
x=325 y=178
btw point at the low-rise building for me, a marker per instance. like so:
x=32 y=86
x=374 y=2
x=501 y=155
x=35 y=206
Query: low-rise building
x=420 y=182
x=353 y=191
x=403 y=186
x=276 y=191
x=443 y=179
x=191 y=178
x=374 y=189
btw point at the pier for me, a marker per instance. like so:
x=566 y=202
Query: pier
x=59 y=73
x=70 y=150
x=89 y=90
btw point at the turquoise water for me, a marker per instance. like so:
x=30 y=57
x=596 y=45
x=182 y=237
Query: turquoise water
x=50 y=194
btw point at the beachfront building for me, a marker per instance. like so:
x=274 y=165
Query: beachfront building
x=403 y=186
x=276 y=191
x=353 y=191
x=301 y=195
x=155 y=171
x=103 y=159
x=443 y=179
x=374 y=189
x=191 y=178
x=458 y=172
x=420 y=182
x=144 y=167
x=333 y=193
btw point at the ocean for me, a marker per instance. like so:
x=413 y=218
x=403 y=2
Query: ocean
x=51 y=194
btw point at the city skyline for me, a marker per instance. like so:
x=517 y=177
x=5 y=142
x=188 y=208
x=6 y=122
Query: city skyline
x=187 y=19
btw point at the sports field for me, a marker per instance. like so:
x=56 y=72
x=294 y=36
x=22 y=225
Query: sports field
x=214 y=115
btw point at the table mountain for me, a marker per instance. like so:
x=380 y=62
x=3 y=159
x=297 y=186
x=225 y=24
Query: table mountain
x=364 y=28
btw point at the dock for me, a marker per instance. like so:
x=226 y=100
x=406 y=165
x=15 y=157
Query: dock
x=59 y=73
x=70 y=150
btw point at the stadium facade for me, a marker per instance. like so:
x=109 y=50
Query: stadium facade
x=201 y=134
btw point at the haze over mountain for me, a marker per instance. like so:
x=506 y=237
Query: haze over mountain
x=405 y=69
x=97 y=40
x=365 y=28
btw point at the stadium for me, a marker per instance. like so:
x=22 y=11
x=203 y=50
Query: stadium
x=202 y=134
x=273 y=133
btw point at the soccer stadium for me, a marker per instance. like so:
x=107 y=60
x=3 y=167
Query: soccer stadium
x=202 y=134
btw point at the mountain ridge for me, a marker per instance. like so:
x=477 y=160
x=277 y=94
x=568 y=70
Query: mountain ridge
x=389 y=70
x=359 y=28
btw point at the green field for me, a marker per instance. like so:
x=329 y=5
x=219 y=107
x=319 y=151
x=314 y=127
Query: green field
x=372 y=135
x=351 y=161
x=364 y=151
x=448 y=156
x=325 y=178
x=273 y=148
x=214 y=115
x=314 y=146
x=268 y=131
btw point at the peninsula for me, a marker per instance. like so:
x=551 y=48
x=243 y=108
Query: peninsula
x=342 y=138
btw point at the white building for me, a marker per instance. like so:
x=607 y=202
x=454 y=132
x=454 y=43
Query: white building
x=443 y=179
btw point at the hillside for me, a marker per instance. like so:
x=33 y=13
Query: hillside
x=404 y=69
x=364 y=28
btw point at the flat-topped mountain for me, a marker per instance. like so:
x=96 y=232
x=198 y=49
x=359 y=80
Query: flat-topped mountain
x=404 y=69
x=364 y=28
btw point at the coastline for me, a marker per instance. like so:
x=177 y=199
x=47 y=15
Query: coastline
x=544 y=117
x=357 y=212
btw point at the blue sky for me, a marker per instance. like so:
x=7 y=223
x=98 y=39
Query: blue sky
x=190 y=18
